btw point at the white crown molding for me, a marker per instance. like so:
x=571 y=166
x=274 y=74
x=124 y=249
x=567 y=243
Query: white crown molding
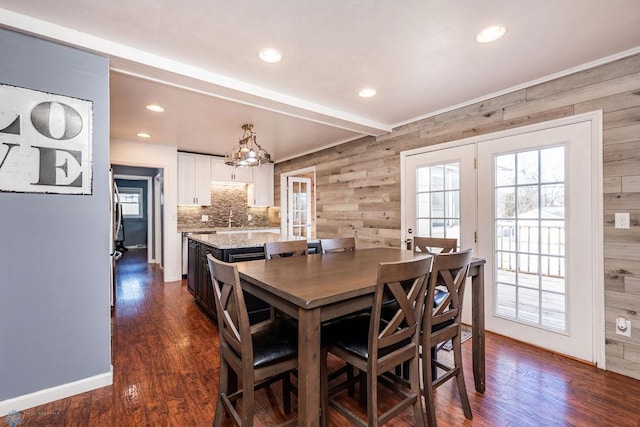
x=586 y=66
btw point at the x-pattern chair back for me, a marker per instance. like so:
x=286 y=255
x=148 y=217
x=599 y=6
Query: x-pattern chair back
x=339 y=244
x=405 y=283
x=233 y=322
x=273 y=250
x=448 y=273
x=427 y=244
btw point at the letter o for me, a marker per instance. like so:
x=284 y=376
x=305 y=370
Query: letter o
x=43 y=115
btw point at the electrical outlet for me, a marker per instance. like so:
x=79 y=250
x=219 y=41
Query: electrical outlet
x=205 y=218
x=249 y=217
x=622 y=220
x=623 y=326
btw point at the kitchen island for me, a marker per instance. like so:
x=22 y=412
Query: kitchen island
x=231 y=247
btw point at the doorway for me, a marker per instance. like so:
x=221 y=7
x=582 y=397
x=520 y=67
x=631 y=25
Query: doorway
x=529 y=202
x=141 y=191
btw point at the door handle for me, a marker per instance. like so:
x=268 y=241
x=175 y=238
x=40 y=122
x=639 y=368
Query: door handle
x=409 y=242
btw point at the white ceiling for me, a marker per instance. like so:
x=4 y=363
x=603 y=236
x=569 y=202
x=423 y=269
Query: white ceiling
x=198 y=59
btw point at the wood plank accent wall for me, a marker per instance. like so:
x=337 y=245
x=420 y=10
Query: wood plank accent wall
x=358 y=183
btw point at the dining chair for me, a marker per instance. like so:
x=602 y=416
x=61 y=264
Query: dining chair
x=436 y=245
x=259 y=354
x=429 y=244
x=339 y=244
x=285 y=249
x=442 y=324
x=386 y=345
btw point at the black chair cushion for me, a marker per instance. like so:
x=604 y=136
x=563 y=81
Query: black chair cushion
x=352 y=334
x=275 y=343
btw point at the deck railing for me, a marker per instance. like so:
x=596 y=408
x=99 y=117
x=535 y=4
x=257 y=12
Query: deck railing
x=541 y=250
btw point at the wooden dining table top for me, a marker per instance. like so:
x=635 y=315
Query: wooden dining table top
x=316 y=280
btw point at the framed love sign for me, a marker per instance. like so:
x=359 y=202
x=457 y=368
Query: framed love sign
x=45 y=142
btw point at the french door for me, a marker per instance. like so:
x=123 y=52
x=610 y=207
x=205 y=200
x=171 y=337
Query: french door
x=441 y=199
x=299 y=206
x=527 y=210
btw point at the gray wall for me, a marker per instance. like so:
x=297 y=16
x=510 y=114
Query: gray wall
x=54 y=251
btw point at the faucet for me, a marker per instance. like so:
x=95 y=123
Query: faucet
x=230 y=216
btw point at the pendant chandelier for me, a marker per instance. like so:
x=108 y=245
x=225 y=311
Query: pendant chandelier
x=248 y=152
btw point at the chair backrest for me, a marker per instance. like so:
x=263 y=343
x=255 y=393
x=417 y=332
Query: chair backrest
x=450 y=270
x=340 y=244
x=285 y=249
x=404 y=282
x=233 y=319
x=429 y=244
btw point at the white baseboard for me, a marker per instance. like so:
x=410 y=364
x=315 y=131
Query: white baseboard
x=48 y=395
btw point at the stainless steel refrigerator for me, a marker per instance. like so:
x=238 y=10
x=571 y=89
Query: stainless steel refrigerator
x=116 y=223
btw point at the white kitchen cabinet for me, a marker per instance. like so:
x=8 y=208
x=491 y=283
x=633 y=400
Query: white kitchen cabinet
x=261 y=190
x=194 y=180
x=222 y=172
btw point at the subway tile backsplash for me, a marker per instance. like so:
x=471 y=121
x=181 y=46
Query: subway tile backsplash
x=224 y=198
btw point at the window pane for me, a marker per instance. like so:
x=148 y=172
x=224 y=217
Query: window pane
x=506 y=202
x=505 y=170
x=552 y=201
x=452 y=229
x=437 y=177
x=553 y=310
x=528 y=305
x=527 y=236
x=437 y=205
x=423 y=205
x=527 y=167
x=506 y=300
x=528 y=202
x=452 y=172
x=552 y=164
x=423 y=177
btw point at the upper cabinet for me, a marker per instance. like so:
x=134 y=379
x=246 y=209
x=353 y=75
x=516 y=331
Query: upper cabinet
x=261 y=191
x=194 y=180
x=222 y=172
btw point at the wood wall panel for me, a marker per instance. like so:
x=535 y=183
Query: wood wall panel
x=351 y=174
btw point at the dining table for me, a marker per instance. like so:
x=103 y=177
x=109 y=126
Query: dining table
x=317 y=288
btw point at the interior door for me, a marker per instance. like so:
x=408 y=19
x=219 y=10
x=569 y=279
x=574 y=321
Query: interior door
x=299 y=206
x=534 y=228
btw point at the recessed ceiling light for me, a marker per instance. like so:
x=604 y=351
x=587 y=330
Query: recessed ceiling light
x=270 y=55
x=155 y=108
x=491 y=34
x=367 y=92
x=143 y=135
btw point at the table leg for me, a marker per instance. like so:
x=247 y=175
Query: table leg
x=309 y=367
x=477 y=337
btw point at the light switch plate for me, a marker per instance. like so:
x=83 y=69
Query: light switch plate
x=205 y=217
x=622 y=220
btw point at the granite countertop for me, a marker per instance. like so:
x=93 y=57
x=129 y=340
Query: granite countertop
x=227 y=229
x=243 y=240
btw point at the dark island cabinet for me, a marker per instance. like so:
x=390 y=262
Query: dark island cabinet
x=199 y=278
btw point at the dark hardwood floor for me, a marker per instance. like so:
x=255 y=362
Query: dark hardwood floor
x=165 y=363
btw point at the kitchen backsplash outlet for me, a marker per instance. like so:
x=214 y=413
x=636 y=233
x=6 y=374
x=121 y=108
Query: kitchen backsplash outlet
x=224 y=198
